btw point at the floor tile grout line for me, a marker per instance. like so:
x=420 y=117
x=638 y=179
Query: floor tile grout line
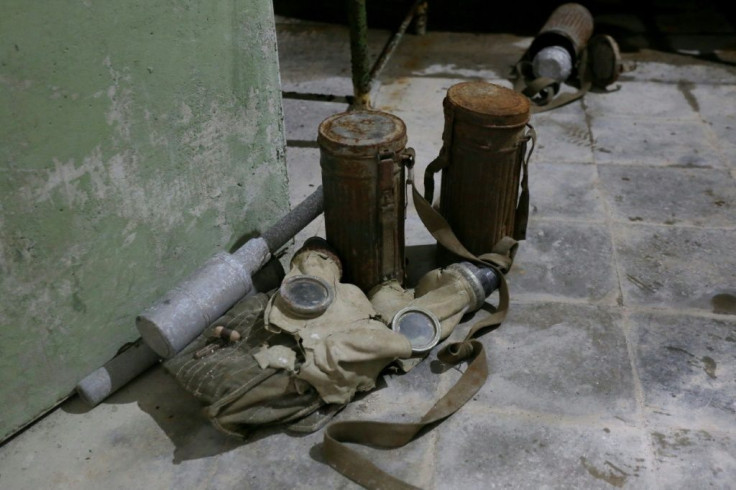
x=608 y=216
x=592 y=420
x=626 y=79
x=626 y=328
x=522 y=299
x=644 y=224
x=639 y=394
x=713 y=428
x=673 y=167
x=618 y=222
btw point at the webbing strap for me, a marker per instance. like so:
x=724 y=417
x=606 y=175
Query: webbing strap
x=389 y=435
x=521 y=219
x=392 y=435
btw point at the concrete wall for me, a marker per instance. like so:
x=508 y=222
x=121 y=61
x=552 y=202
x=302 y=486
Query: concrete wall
x=136 y=139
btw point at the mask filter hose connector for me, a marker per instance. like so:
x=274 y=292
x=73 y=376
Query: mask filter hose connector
x=483 y=281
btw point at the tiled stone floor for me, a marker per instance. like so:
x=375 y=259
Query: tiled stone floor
x=617 y=364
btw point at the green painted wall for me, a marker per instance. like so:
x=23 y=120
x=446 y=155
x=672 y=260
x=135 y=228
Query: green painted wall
x=137 y=138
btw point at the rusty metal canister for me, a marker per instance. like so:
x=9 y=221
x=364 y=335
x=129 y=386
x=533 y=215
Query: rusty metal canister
x=362 y=155
x=484 y=149
x=570 y=25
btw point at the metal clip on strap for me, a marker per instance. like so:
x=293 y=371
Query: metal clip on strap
x=387 y=210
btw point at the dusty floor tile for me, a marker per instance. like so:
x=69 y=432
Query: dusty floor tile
x=653 y=65
x=687 y=366
x=696 y=197
x=694 y=458
x=561 y=359
x=648 y=99
x=640 y=141
x=445 y=54
x=484 y=450
x=303 y=117
x=315 y=57
x=705 y=44
x=182 y=449
x=675 y=267
x=303 y=171
x=399 y=397
x=565 y=260
x=565 y=191
x=724 y=129
x=418 y=102
x=562 y=138
x=716 y=101
x=304 y=178
x=432 y=55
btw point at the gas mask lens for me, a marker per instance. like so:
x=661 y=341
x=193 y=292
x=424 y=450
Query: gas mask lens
x=420 y=326
x=306 y=296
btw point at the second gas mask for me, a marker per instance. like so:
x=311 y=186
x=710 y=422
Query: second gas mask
x=346 y=340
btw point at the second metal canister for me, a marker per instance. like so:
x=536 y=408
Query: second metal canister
x=362 y=155
x=482 y=158
x=569 y=26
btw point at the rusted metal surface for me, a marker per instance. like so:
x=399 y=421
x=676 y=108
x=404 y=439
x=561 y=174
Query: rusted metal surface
x=570 y=25
x=420 y=18
x=359 y=60
x=484 y=144
x=361 y=156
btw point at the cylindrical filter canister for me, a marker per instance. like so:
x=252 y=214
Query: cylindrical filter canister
x=552 y=62
x=362 y=155
x=484 y=149
x=569 y=27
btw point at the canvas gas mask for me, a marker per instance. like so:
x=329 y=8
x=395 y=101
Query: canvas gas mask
x=347 y=339
x=344 y=346
x=430 y=312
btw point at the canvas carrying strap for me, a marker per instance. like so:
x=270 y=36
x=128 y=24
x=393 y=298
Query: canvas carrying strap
x=542 y=91
x=389 y=435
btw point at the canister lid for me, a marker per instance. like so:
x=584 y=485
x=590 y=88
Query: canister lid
x=495 y=105
x=605 y=60
x=363 y=129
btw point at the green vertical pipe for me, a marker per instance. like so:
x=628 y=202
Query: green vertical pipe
x=358 y=21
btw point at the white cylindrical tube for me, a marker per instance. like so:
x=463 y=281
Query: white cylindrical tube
x=185 y=311
x=552 y=62
x=116 y=373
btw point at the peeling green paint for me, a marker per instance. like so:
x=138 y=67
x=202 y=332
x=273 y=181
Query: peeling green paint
x=137 y=139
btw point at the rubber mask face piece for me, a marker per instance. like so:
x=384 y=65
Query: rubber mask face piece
x=306 y=296
x=420 y=326
x=344 y=348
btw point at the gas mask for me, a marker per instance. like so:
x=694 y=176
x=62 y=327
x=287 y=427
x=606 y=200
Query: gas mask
x=346 y=339
x=429 y=314
x=344 y=346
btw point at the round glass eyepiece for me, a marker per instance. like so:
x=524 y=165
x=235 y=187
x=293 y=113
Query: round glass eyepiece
x=418 y=325
x=305 y=295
